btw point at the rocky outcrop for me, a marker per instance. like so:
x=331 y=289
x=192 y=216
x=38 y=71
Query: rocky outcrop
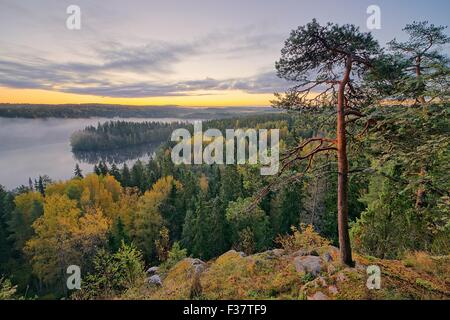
x=313 y=273
x=308 y=264
x=155 y=280
x=152 y=270
x=197 y=265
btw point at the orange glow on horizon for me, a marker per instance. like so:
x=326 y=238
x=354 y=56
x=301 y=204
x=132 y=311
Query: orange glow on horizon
x=198 y=99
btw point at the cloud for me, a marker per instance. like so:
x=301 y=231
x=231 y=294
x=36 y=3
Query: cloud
x=109 y=71
x=262 y=83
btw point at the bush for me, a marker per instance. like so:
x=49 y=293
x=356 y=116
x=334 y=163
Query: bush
x=175 y=255
x=305 y=238
x=7 y=290
x=113 y=273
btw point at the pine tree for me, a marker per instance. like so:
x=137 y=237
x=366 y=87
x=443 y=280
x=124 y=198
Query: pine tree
x=126 y=176
x=138 y=176
x=97 y=170
x=40 y=185
x=118 y=235
x=114 y=171
x=103 y=168
x=77 y=172
x=342 y=57
x=231 y=184
x=6 y=246
x=172 y=211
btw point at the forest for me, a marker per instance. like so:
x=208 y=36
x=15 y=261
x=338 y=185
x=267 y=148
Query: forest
x=364 y=170
x=9 y=110
x=120 y=134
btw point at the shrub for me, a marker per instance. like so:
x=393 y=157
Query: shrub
x=305 y=238
x=7 y=290
x=175 y=255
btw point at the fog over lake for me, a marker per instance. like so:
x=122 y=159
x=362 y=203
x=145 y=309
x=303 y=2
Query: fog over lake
x=33 y=147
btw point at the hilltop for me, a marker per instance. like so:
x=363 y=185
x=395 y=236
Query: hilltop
x=310 y=271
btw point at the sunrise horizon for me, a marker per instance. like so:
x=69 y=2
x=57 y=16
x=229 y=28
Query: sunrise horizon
x=218 y=100
x=154 y=53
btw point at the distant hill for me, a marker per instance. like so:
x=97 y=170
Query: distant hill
x=124 y=111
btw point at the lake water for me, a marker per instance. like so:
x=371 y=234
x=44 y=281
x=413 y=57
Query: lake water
x=33 y=147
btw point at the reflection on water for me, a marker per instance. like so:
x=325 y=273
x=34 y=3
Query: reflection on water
x=33 y=147
x=117 y=156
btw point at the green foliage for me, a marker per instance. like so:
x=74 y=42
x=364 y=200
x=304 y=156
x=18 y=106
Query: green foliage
x=7 y=290
x=113 y=273
x=205 y=230
x=162 y=244
x=426 y=70
x=250 y=230
x=114 y=221
x=175 y=255
x=304 y=238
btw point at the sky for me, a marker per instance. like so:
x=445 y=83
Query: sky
x=189 y=53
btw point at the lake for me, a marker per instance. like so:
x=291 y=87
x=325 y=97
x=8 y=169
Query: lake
x=33 y=147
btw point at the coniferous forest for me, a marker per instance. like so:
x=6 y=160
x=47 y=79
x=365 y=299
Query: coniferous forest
x=363 y=180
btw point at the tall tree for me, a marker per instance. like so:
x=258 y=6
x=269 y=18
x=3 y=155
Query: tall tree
x=428 y=74
x=427 y=67
x=77 y=173
x=114 y=171
x=138 y=178
x=126 y=176
x=5 y=243
x=327 y=63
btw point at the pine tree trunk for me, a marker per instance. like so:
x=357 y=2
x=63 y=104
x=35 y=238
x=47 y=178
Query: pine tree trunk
x=418 y=67
x=344 y=238
x=420 y=194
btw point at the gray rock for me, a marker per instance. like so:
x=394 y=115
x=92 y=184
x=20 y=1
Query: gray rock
x=152 y=270
x=303 y=252
x=308 y=264
x=300 y=252
x=278 y=252
x=155 y=280
x=198 y=265
x=274 y=253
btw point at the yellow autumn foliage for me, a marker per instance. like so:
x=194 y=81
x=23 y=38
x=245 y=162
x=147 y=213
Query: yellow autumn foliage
x=64 y=236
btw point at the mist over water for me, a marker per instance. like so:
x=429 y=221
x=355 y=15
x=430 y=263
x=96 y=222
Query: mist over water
x=33 y=147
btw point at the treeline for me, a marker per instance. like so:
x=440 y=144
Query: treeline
x=158 y=212
x=119 y=134
x=110 y=111
x=153 y=206
x=146 y=211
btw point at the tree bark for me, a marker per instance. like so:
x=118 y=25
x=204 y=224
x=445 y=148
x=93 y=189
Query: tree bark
x=418 y=75
x=420 y=194
x=344 y=238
